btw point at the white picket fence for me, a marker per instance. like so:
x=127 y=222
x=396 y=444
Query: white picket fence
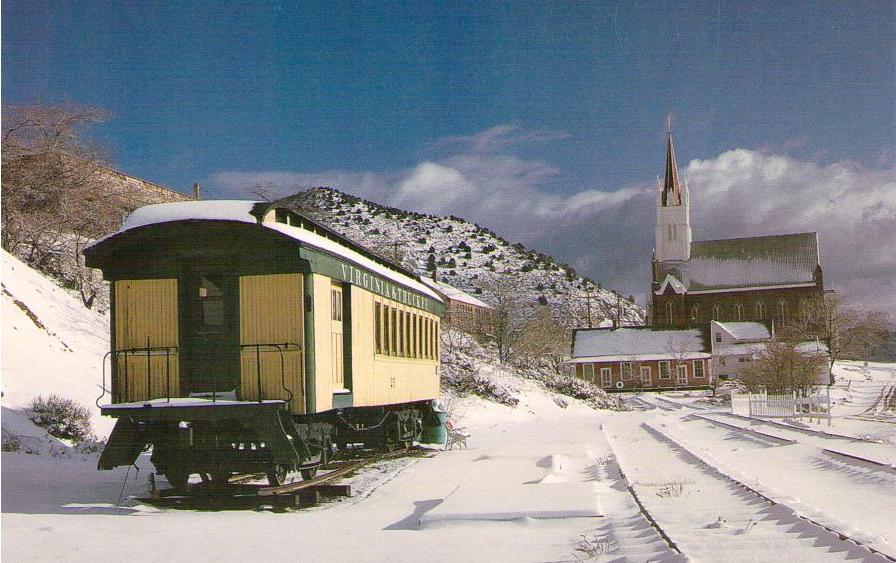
x=763 y=405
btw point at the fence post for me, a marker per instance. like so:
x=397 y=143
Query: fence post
x=829 y=406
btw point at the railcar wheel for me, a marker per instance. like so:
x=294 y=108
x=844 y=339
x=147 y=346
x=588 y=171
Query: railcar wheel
x=276 y=474
x=177 y=478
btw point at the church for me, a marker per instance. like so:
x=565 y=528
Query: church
x=770 y=278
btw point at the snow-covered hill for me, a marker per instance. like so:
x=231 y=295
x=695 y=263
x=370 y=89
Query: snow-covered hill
x=51 y=342
x=465 y=255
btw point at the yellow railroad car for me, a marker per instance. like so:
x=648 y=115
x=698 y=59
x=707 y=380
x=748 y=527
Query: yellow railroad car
x=246 y=337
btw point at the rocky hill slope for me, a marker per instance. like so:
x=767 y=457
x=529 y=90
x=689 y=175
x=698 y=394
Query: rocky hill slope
x=467 y=256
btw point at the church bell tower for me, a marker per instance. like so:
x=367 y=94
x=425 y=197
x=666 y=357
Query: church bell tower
x=673 y=213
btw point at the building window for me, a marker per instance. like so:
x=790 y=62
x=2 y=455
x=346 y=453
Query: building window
x=670 y=312
x=606 y=378
x=738 y=311
x=588 y=372
x=761 y=311
x=664 y=370
x=682 y=376
x=782 y=311
x=626 y=369
x=695 y=313
x=698 y=369
x=718 y=337
x=717 y=312
x=646 y=376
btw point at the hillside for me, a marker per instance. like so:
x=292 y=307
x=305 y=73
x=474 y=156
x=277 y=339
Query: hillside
x=51 y=342
x=466 y=256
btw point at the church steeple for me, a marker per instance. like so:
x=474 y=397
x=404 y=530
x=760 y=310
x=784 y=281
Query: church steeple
x=671 y=187
x=673 y=213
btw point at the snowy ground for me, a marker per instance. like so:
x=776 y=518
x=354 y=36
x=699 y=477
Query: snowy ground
x=539 y=482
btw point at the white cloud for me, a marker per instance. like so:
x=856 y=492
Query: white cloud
x=608 y=233
x=432 y=188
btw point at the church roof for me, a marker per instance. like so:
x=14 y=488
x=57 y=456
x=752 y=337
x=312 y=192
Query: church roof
x=750 y=262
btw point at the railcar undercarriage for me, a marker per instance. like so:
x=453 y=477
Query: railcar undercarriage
x=217 y=439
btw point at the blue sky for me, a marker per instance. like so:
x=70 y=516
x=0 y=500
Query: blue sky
x=534 y=104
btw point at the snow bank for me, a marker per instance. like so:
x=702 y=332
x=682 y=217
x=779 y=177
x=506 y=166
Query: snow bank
x=51 y=342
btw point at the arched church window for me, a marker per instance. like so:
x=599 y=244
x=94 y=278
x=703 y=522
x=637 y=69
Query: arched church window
x=717 y=312
x=761 y=310
x=782 y=311
x=670 y=312
x=738 y=311
x=695 y=313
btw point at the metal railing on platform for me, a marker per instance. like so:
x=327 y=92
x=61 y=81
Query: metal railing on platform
x=122 y=390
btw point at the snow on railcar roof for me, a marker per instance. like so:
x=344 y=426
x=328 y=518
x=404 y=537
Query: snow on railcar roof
x=242 y=211
x=212 y=210
x=322 y=243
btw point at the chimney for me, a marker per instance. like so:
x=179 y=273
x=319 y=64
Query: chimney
x=196 y=190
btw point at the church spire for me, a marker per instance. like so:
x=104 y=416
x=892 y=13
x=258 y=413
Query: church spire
x=671 y=187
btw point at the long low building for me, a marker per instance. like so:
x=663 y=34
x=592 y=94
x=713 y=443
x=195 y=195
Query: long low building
x=630 y=358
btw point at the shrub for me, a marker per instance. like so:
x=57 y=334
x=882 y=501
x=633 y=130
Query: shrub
x=63 y=418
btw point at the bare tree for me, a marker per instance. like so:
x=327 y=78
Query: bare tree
x=779 y=367
x=544 y=340
x=846 y=332
x=510 y=313
x=267 y=191
x=56 y=194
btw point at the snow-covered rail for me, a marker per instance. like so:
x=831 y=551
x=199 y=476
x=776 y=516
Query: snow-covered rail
x=829 y=535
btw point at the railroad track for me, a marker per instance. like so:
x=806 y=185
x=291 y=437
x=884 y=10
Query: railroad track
x=240 y=493
x=751 y=526
x=825 y=534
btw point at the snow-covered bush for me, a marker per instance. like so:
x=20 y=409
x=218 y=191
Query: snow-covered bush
x=586 y=391
x=63 y=418
x=11 y=444
x=464 y=378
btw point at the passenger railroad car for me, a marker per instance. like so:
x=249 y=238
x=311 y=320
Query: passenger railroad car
x=247 y=337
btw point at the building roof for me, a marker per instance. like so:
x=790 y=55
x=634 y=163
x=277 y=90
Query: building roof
x=749 y=262
x=454 y=294
x=746 y=331
x=638 y=343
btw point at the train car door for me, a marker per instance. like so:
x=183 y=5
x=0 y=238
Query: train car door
x=336 y=338
x=210 y=334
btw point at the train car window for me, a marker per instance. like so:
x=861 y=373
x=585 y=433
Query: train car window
x=392 y=331
x=211 y=300
x=414 y=333
x=377 y=327
x=418 y=352
x=336 y=304
x=438 y=345
x=408 y=343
